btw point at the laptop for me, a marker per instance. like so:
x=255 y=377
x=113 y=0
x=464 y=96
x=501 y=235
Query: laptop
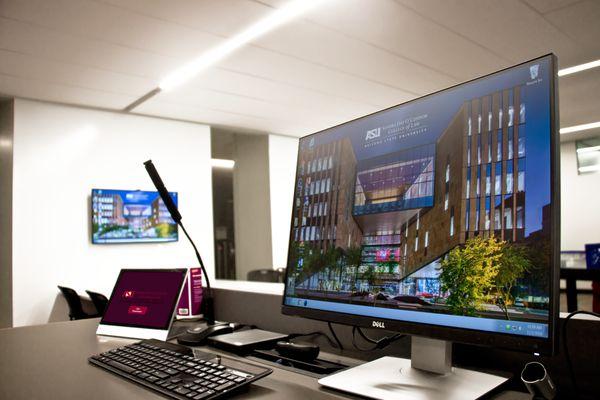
x=143 y=303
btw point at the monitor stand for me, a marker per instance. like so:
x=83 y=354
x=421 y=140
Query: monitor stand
x=429 y=375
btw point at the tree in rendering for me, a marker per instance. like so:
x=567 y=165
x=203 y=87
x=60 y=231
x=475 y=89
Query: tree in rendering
x=353 y=260
x=483 y=271
x=514 y=263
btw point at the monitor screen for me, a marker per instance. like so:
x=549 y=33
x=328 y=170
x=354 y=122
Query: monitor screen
x=435 y=212
x=144 y=298
x=130 y=216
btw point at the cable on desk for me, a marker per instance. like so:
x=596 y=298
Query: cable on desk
x=566 y=346
x=379 y=343
x=337 y=340
x=315 y=333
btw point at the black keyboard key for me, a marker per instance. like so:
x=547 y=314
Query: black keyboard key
x=224 y=386
x=171 y=371
x=120 y=366
x=161 y=375
x=182 y=390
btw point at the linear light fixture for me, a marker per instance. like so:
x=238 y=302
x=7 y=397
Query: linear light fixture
x=577 y=128
x=590 y=168
x=280 y=16
x=221 y=163
x=588 y=149
x=579 y=68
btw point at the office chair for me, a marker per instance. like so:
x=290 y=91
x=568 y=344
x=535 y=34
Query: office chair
x=74 y=303
x=100 y=301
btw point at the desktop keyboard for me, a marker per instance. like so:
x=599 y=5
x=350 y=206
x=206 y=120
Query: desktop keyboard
x=175 y=371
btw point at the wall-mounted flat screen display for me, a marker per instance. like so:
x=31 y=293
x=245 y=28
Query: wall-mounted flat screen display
x=131 y=216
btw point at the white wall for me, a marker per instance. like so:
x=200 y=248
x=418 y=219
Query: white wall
x=580 y=197
x=60 y=154
x=283 y=153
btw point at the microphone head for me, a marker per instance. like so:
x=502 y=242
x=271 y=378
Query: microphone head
x=162 y=191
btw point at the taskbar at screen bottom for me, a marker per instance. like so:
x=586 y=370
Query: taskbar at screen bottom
x=523 y=328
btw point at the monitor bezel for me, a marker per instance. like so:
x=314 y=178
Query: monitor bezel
x=129 y=241
x=544 y=346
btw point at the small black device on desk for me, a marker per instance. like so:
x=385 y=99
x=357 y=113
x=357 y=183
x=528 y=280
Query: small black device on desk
x=198 y=335
x=173 y=370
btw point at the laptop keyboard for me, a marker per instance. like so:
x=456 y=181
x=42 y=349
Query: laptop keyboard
x=175 y=371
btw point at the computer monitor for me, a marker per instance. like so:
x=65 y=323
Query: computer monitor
x=437 y=217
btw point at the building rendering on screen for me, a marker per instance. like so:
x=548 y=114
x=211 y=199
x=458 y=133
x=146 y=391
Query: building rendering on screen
x=406 y=209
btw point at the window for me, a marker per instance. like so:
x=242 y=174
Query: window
x=479 y=123
x=497 y=209
x=522 y=112
x=511 y=115
x=418 y=221
x=499 y=146
x=469 y=150
x=519 y=221
x=446 y=201
x=452 y=222
x=426 y=239
x=468 y=194
x=469 y=126
x=488 y=179
x=500 y=118
x=320 y=164
x=478 y=183
x=489 y=152
x=325 y=209
x=328 y=185
x=477 y=207
x=487 y=213
x=447 y=173
x=490 y=119
x=405 y=249
x=416 y=243
x=521 y=175
x=509 y=177
x=508 y=218
x=478 y=149
x=510 y=142
x=467 y=214
x=498 y=179
x=521 y=141
x=323 y=182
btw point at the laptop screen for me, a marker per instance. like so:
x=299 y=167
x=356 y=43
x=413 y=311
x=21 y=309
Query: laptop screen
x=144 y=298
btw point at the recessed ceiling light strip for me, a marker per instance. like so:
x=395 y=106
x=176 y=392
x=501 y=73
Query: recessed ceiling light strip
x=577 y=128
x=579 y=68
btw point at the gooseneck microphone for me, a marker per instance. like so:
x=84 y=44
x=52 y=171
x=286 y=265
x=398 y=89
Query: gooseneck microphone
x=207 y=298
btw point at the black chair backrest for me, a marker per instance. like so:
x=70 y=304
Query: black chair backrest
x=264 y=275
x=100 y=301
x=74 y=302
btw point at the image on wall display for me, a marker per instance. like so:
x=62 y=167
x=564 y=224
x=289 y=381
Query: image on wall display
x=131 y=216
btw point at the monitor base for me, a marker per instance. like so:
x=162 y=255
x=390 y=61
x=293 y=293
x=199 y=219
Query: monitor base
x=392 y=378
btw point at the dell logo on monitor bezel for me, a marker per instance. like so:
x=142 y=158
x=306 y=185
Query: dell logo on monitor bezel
x=378 y=324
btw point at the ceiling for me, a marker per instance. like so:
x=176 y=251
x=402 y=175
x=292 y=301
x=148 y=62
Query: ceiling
x=344 y=59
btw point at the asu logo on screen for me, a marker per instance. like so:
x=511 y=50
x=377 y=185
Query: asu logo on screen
x=534 y=71
x=373 y=134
